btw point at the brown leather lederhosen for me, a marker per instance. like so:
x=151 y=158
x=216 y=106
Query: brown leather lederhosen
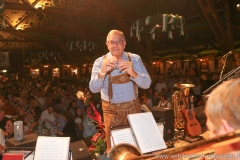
x=116 y=114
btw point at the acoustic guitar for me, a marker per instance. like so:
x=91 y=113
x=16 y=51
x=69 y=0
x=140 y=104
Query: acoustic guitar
x=192 y=126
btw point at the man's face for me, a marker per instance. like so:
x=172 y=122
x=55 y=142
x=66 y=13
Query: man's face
x=9 y=127
x=50 y=110
x=74 y=104
x=116 y=44
x=89 y=110
x=160 y=80
x=156 y=95
x=55 y=114
x=1 y=115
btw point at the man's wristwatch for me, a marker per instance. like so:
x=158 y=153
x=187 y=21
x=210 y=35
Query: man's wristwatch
x=103 y=74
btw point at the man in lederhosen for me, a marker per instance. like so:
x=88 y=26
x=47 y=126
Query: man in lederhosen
x=117 y=75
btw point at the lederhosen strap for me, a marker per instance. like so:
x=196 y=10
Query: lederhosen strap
x=119 y=79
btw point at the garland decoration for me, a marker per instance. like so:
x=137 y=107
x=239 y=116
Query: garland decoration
x=82 y=46
x=151 y=24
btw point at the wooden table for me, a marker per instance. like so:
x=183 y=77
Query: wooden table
x=29 y=140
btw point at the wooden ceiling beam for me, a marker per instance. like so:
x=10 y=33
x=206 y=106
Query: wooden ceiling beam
x=140 y=4
x=42 y=31
x=216 y=25
x=57 y=11
x=197 y=11
x=131 y=16
x=78 y=32
x=33 y=39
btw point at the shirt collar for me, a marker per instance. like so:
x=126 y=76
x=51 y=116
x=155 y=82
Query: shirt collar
x=124 y=55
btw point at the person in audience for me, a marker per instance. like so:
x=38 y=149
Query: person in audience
x=40 y=98
x=146 y=104
x=47 y=117
x=89 y=128
x=27 y=125
x=163 y=102
x=80 y=102
x=164 y=91
x=20 y=111
x=32 y=104
x=72 y=108
x=58 y=105
x=147 y=101
x=79 y=124
x=9 y=130
x=8 y=108
x=3 y=120
x=150 y=94
x=156 y=99
x=69 y=128
x=222 y=111
x=59 y=122
x=36 y=113
x=160 y=85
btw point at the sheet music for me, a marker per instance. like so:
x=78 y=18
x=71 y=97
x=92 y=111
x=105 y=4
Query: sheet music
x=146 y=132
x=161 y=128
x=52 y=148
x=124 y=135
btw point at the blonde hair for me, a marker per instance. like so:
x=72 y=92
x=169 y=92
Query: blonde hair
x=114 y=31
x=224 y=103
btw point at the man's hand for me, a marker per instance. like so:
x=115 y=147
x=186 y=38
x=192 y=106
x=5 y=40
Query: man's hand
x=108 y=63
x=126 y=66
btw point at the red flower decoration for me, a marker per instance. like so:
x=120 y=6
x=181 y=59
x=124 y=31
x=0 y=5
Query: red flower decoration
x=95 y=137
x=97 y=117
x=91 y=148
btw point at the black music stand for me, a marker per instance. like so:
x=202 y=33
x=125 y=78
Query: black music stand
x=169 y=142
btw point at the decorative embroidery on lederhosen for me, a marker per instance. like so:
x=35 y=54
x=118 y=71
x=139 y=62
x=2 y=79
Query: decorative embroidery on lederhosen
x=123 y=110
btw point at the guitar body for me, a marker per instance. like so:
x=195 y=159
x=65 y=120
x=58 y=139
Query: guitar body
x=192 y=126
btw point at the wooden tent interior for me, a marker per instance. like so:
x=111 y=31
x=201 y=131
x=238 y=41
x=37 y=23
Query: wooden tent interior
x=74 y=31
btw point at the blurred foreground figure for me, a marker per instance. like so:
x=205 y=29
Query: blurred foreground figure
x=223 y=115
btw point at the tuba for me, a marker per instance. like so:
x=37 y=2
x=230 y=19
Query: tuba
x=179 y=100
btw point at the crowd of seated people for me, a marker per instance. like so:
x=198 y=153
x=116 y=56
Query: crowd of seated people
x=163 y=87
x=54 y=102
x=51 y=102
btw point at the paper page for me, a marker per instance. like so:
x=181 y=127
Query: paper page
x=146 y=132
x=124 y=135
x=52 y=148
x=161 y=128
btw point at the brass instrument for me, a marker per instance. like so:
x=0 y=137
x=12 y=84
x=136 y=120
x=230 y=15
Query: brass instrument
x=178 y=103
x=124 y=151
x=226 y=144
x=177 y=109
